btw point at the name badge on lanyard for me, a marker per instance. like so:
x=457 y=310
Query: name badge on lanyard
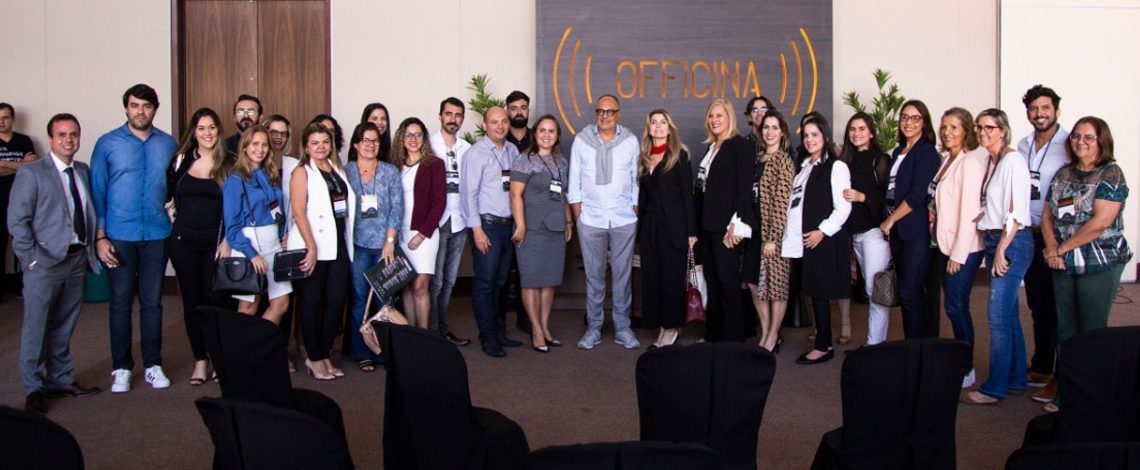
x=755 y=192
x=932 y=188
x=452 y=175
x=891 y=189
x=1035 y=185
x=369 y=206
x=701 y=179
x=340 y=205
x=555 y=190
x=275 y=212
x=797 y=195
x=1065 y=208
x=506 y=180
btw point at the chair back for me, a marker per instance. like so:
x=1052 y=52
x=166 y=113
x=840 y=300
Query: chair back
x=711 y=394
x=249 y=356
x=1099 y=386
x=249 y=435
x=31 y=441
x=900 y=403
x=1085 y=456
x=633 y=455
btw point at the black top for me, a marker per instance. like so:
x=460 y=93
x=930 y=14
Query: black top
x=870 y=171
x=14 y=151
x=199 y=205
x=338 y=191
x=522 y=144
x=728 y=187
x=232 y=143
x=666 y=198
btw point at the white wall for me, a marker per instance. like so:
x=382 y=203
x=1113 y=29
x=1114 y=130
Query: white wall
x=79 y=56
x=1085 y=51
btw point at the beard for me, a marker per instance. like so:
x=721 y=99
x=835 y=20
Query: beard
x=140 y=123
x=451 y=127
x=519 y=122
x=244 y=123
x=1048 y=125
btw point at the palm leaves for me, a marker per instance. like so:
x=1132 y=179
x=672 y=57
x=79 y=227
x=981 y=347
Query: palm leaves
x=482 y=101
x=885 y=108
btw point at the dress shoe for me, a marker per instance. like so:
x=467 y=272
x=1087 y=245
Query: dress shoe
x=506 y=342
x=456 y=340
x=827 y=356
x=1037 y=380
x=492 y=348
x=1047 y=394
x=73 y=390
x=977 y=398
x=36 y=403
x=542 y=349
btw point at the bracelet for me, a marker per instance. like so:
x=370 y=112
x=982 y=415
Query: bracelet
x=100 y=238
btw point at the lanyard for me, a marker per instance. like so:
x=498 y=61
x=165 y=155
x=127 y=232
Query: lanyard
x=1043 y=153
x=548 y=167
x=497 y=159
x=986 y=181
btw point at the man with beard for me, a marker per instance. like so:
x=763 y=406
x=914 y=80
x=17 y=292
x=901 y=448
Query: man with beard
x=603 y=197
x=485 y=204
x=1046 y=150
x=16 y=149
x=518 y=111
x=128 y=185
x=452 y=231
x=247 y=112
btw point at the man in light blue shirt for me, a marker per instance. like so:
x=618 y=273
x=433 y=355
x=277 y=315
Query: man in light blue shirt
x=128 y=186
x=603 y=196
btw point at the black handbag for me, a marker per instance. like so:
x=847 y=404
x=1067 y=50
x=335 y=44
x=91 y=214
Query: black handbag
x=387 y=280
x=235 y=275
x=287 y=265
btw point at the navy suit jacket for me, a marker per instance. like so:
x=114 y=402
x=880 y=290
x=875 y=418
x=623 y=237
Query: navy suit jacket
x=911 y=183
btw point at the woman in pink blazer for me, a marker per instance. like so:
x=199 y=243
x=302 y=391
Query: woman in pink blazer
x=955 y=206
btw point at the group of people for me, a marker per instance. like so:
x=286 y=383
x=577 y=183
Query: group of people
x=755 y=211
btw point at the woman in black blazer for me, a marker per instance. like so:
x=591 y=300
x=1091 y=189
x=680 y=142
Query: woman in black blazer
x=724 y=178
x=913 y=165
x=666 y=225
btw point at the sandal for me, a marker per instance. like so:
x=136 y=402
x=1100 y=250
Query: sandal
x=196 y=381
x=366 y=365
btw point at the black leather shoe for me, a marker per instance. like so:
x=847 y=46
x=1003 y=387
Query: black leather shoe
x=73 y=390
x=36 y=403
x=456 y=340
x=506 y=342
x=827 y=356
x=492 y=348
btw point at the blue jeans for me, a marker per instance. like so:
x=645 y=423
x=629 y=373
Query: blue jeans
x=142 y=267
x=490 y=272
x=362 y=259
x=957 y=288
x=446 y=268
x=1007 y=342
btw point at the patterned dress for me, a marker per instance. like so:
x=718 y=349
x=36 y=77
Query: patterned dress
x=775 y=188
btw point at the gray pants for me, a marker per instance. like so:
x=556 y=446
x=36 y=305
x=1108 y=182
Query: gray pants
x=594 y=243
x=52 y=298
x=446 y=269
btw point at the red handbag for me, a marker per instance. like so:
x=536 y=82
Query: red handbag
x=694 y=307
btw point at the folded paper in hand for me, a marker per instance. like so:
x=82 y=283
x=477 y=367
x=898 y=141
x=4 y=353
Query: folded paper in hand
x=740 y=229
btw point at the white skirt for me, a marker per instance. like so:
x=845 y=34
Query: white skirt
x=264 y=239
x=423 y=257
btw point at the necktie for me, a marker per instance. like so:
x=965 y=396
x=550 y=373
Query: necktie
x=77 y=219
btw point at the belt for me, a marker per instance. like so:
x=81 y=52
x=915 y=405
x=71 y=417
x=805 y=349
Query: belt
x=495 y=220
x=999 y=231
x=76 y=248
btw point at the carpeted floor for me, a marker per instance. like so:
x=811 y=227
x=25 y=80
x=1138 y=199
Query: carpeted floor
x=567 y=396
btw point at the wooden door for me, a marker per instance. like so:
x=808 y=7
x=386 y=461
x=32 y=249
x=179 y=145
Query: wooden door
x=277 y=50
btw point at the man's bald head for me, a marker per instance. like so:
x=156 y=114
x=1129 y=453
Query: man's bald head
x=495 y=123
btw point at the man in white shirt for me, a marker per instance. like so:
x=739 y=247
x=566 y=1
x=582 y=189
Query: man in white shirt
x=452 y=232
x=603 y=196
x=1046 y=150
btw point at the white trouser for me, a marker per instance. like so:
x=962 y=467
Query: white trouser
x=873 y=252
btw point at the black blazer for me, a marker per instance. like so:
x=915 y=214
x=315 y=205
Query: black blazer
x=728 y=187
x=674 y=196
x=911 y=182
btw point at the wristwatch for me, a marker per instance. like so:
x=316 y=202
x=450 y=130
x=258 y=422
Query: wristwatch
x=391 y=240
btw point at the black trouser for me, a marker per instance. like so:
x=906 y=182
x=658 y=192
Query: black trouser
x=724 y=321
x=193 y=263
x=822 y=313
x=663 y=279
x=321 y=307
x=934 y=293
x=1039 y=296
x=912 y=264
x=510 y=298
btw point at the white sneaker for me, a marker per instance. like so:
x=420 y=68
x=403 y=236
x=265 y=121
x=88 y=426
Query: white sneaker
x=590 y=339
x=122 y=383
x=627 y=338
x=156 y=378
x=968 y=381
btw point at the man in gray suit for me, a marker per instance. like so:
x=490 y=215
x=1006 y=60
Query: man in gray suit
x=52 y=221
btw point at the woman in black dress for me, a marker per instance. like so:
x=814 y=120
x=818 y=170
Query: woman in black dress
x=666 y=224
x=817 y=211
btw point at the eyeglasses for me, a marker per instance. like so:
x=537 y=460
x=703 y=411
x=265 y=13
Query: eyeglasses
x=451 y=154
x=245 y=111
x=914 y=118
x=370 y=141
x=279 y=134
x=758 y=110
x=1088 y=139
x=606 y=112
x=985 y=129
x=413 y=135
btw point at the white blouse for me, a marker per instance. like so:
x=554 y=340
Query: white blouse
x=1007 y=186
x=792 y=245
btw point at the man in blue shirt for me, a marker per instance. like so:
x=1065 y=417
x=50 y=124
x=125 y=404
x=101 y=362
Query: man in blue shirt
x=128 y=185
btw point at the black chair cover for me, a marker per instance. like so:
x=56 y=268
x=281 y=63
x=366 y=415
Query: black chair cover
x=249 y=435
x=1084 y=456
x=900 y=402
x=711 y=394
x=31 y=441
x=634 y=455
x=429 y=422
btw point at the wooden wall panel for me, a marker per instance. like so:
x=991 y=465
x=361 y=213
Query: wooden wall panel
x=294 y=62
x=219 y=57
